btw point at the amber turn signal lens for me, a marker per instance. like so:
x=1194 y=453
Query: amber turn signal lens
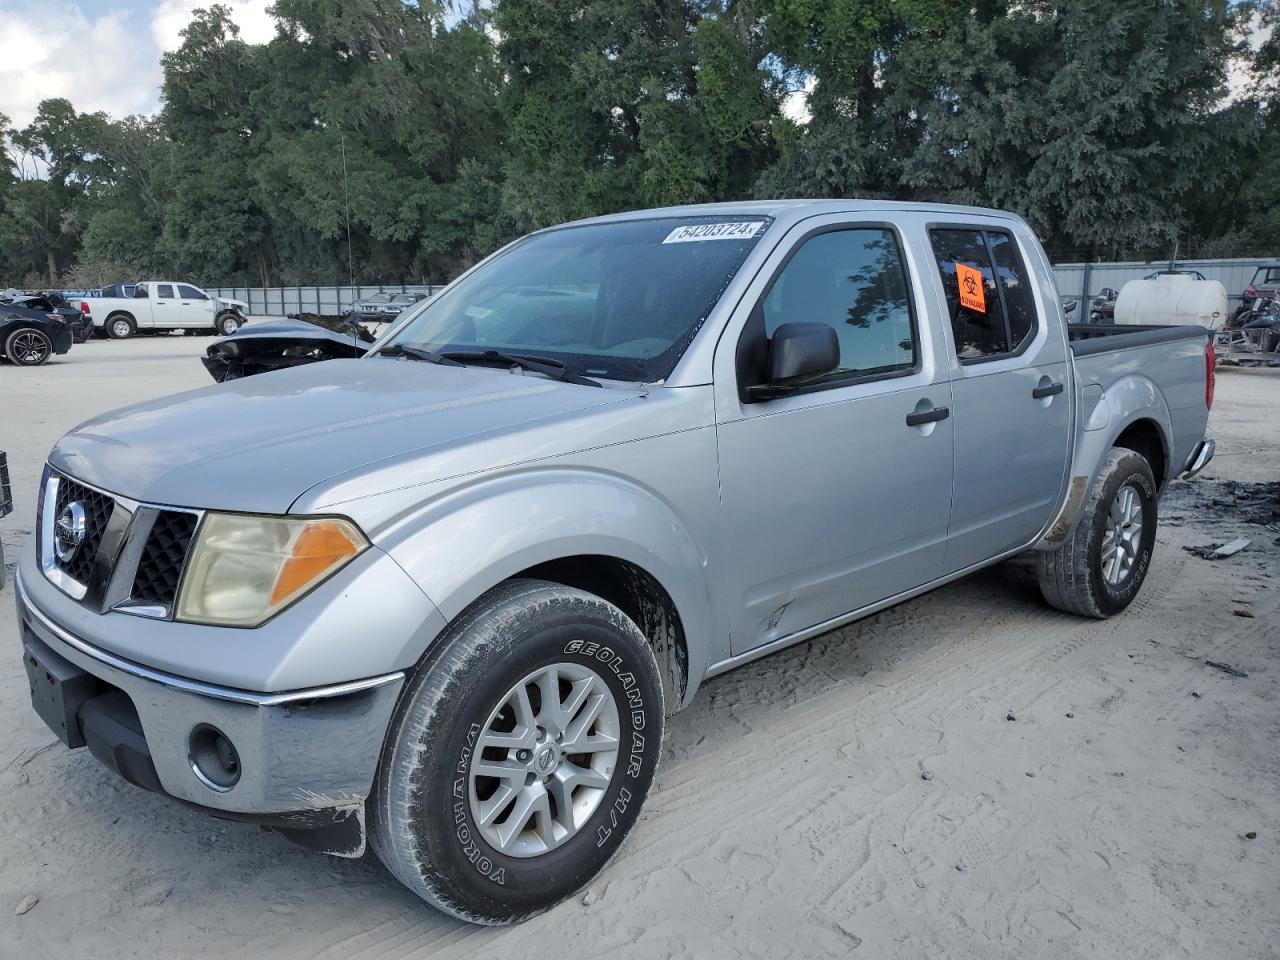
x=319 y=548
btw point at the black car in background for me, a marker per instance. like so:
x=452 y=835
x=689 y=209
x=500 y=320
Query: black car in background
x=49 y=303
x=30 y=337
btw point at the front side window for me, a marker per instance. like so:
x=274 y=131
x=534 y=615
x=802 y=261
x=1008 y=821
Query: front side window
x=987 y=289
x=855 y=282
x=618 y=300
x=190 y=293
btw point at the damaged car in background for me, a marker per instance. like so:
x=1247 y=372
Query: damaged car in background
x=296 y=340
x=50 y=304
x=28 y=338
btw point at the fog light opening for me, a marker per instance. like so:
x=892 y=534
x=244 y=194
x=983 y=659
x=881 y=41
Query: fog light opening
x=214 y=760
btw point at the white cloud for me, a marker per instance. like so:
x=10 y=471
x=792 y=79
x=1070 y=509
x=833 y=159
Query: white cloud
x=109 y=61
x=796 y=103
x=256 y=25
x=1239 y=81
x=53 y=50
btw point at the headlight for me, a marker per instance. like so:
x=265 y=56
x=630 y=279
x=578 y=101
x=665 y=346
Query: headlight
x=245 y=569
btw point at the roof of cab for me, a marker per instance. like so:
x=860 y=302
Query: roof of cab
x=788 y=209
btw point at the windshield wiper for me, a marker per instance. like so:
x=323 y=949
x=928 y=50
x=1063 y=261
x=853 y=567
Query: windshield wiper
x=548 y=366
x=417 y=353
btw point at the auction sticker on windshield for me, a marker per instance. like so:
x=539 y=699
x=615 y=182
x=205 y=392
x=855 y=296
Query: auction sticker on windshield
x=736 y=230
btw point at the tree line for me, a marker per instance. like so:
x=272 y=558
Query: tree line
x=398 y=142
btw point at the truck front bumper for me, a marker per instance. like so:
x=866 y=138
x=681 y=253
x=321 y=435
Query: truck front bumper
x=302 y=761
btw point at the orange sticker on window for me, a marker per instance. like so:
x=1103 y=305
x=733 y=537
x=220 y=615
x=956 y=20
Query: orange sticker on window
x=972 y=293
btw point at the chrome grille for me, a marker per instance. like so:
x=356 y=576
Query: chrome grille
x=165 y=553
x=97 y=513
x=131 y=557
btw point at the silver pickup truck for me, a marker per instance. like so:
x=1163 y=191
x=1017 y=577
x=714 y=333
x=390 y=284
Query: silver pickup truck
x=443 y=596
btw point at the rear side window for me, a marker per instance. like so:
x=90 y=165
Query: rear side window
x=854 y=281
x=988 y=292
x=164 y=291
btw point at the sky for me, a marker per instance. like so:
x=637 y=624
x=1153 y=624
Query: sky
x=100 y=55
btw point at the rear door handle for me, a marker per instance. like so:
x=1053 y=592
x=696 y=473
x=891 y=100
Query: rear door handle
x=1048 y=390
x=928 y=416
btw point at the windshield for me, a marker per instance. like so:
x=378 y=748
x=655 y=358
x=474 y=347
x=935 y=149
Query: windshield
x=617 y=300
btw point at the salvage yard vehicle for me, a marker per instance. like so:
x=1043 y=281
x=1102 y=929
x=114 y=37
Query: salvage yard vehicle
x=29 y=337
x=278 y=344
x=383 y=307
x=443 y=596
x=45 y=304
x=166 y=305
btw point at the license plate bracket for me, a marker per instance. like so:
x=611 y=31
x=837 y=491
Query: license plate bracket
x=58 y=689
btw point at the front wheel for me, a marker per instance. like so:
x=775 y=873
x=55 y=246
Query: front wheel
x=28 y=347
x=520 y=755
x=226 y=324
x=1098 y=571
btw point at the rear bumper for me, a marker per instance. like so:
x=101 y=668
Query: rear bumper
x=305 y=759
x=1199 y=459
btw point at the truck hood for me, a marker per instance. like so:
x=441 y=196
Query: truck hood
x=256 y=444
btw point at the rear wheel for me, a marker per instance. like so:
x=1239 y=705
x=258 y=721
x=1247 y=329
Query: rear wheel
x=1100 y=568
x=521 y=753
x=120 y=327
x=28 y=347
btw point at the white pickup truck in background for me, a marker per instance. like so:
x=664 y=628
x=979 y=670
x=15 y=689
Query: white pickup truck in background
x=166 y=305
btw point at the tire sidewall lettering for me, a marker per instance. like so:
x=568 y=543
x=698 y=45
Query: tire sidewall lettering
x=633 y=763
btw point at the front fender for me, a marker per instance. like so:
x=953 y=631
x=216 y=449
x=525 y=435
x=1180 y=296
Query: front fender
x=467 y=541
x=1103 y=417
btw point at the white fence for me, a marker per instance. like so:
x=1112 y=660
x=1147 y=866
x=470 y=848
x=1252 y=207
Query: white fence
x=332 y=301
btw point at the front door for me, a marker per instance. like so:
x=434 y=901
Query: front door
x=197 y=308
x=1012 y=400
x=837 y=496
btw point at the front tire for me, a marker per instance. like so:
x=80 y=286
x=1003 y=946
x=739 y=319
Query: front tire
x=479 y=807
x=226 y=324
x=1100 y=568
x=28 y=347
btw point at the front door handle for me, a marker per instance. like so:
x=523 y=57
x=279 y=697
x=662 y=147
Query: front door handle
x=1048 y=390
x=927 y=416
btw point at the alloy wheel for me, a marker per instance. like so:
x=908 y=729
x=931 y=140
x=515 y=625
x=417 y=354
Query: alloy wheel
x=1122 y=537
x=30 y=348
x=544 y=760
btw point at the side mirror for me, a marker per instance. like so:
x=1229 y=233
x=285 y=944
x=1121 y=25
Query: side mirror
x=797 y=352
x=1068 y=305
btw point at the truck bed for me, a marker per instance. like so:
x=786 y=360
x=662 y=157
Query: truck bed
x=1091 y=338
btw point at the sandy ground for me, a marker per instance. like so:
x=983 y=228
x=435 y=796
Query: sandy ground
x=969 y=774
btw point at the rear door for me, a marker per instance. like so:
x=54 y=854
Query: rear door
x=1011 y=387
x=831 y=498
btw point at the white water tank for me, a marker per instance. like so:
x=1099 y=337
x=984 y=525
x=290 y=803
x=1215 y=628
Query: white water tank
x=1172 y=299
